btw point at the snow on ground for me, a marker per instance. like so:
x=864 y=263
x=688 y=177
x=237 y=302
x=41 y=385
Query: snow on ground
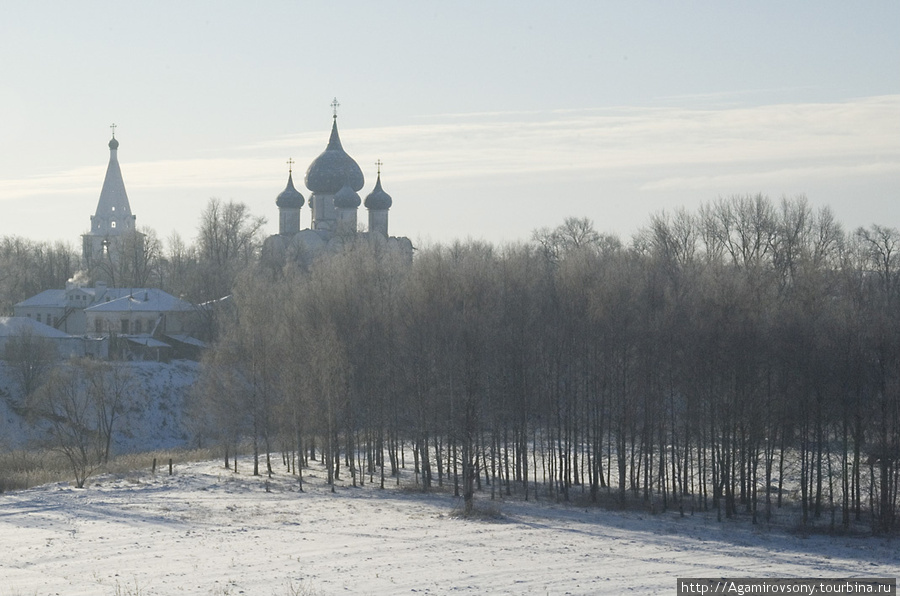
x=207 y=531
x=153 y=415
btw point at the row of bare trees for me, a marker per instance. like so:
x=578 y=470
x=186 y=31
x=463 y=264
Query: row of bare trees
x=737 y=358
x=228 y=240
x=28 y=267
x=725 y=358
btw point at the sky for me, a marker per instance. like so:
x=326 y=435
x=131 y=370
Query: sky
x=492 y=119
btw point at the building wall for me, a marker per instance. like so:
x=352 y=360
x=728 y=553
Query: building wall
x=288 y=221
x=137 y=322
x=378 y=221
x=323 y=211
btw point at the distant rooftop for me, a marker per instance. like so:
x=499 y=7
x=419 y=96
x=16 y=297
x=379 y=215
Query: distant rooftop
x=10 y=326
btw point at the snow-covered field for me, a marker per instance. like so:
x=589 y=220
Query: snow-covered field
x=206 y=530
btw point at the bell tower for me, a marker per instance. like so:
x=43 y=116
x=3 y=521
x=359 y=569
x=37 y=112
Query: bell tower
x=112 y=225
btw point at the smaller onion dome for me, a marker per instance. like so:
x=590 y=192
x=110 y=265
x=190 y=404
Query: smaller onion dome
x=290 y=197
x=378 y=199
x=346 y=198
x=114 y=144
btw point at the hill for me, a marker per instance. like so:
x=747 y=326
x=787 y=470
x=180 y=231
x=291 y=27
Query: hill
x=152 y=419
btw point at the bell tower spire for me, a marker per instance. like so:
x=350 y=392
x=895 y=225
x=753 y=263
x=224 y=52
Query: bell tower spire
x=112 y=220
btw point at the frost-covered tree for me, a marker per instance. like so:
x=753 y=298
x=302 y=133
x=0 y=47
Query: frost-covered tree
x=30 y=358
x=78 y=408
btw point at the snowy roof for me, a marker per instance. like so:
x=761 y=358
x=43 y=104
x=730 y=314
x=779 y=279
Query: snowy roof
x=187 y=339
x=46 y=298
x=146 y=341
x=50 y=298
x=10 y=326
x=144 y=300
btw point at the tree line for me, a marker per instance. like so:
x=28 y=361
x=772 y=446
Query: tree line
x=736 y=358
x=228 y=239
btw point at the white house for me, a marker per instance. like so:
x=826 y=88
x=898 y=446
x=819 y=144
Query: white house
x=151 y=322
x=141 y=312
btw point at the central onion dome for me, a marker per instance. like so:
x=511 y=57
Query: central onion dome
x=333 y=169
x=290 y=197
x=114 y=144
x=346 y=198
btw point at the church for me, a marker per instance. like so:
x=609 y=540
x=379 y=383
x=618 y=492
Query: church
x=113 y=234
x=153 y=323
x=334 y=180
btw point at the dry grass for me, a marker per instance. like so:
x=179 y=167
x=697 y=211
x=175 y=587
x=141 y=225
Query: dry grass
x=23 y=469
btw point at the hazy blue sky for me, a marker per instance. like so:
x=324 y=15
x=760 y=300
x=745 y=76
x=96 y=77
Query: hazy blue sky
x=492 y=118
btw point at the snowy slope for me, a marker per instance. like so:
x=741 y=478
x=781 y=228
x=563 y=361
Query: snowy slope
x=209 y=531
x=153 y=417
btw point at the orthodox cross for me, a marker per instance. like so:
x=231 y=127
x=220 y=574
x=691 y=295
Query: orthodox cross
x=113 y=128
x=334 y=106
x=379 y=164
x=290 y=163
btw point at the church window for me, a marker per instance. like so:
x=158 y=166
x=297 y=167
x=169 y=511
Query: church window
x=114 y=208
x=112 y=224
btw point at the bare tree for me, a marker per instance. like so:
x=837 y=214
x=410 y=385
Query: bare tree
x=65 y=408
x=228 y=241
x=138 y=261
x=112 y=387
x=31 y=357
x=28 y=267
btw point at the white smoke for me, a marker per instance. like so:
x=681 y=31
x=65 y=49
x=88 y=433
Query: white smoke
x=80 y=279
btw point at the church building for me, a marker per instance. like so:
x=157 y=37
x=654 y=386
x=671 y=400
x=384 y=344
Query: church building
x=334 y=180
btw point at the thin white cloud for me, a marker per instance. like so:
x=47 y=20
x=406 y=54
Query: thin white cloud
x=763 y=177
x=714 y=147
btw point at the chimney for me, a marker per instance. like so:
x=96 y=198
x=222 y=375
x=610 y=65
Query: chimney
x=99 y=290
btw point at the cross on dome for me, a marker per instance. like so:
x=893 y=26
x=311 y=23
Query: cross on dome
x=113 y=128
x=290 y=163
x=334 y=106
x=379 y=164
